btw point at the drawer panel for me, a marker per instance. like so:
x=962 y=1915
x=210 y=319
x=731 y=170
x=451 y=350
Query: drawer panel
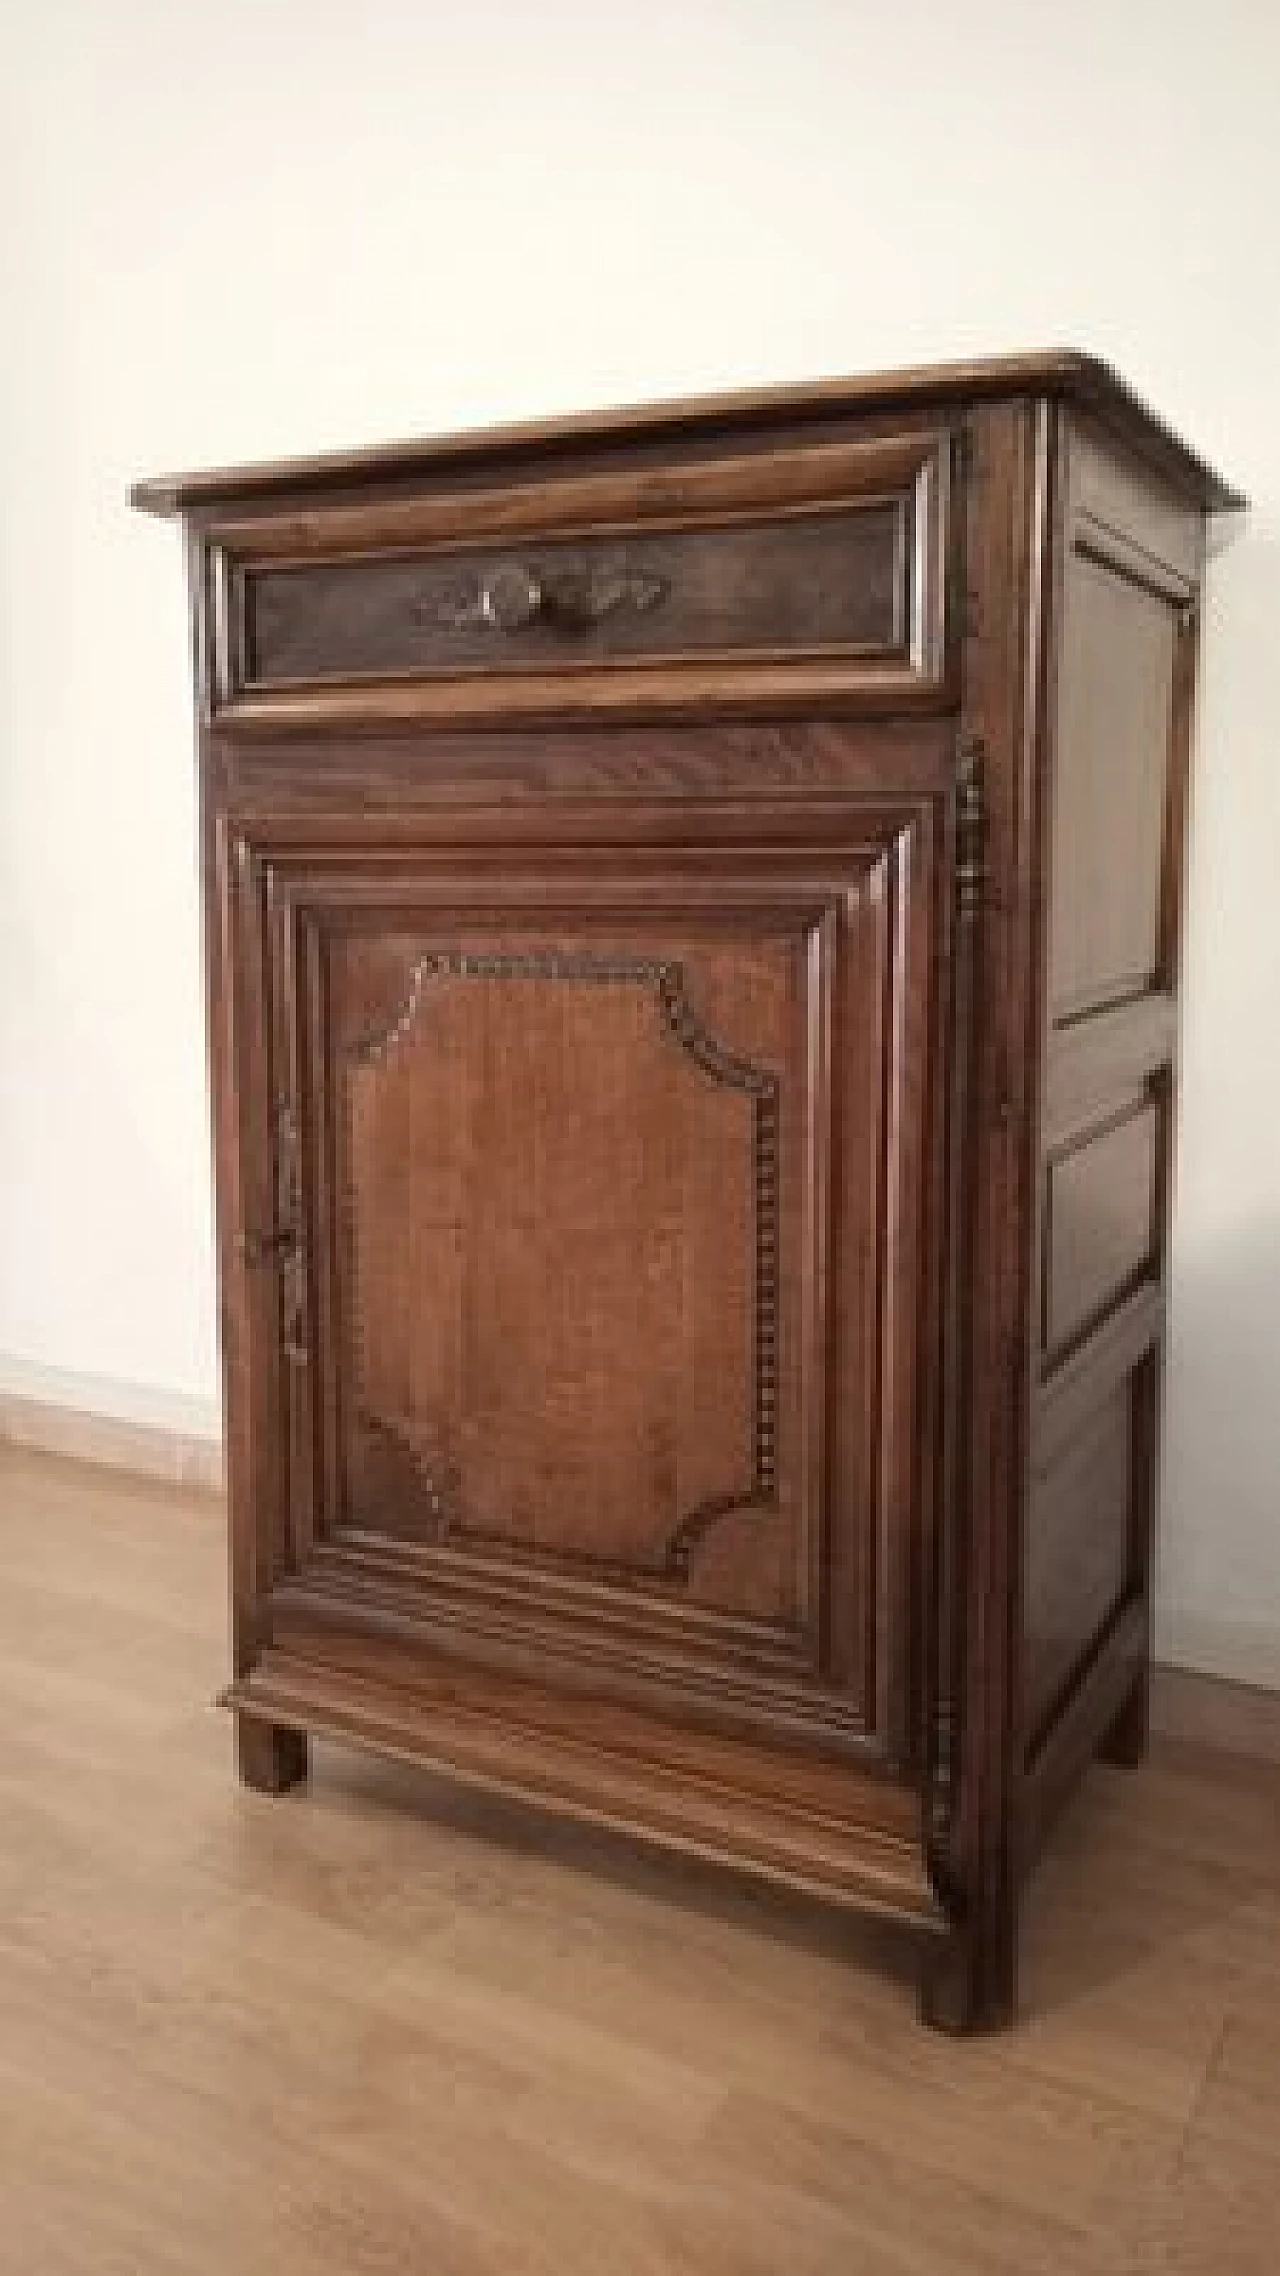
x=833 y=555
x=835 y=581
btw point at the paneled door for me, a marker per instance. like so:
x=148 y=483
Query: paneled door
x=603 y=1270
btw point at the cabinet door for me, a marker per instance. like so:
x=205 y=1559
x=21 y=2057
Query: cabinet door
x=607 y=1175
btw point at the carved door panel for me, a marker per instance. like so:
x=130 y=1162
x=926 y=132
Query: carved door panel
x=612 y=1172
x=558 y=1155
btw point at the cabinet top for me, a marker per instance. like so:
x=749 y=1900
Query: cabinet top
x=1064 y=374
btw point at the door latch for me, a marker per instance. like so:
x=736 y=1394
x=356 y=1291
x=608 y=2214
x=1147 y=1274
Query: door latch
x=257 y=1249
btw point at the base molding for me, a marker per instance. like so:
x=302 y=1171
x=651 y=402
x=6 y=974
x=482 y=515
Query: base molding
x=624 y=1774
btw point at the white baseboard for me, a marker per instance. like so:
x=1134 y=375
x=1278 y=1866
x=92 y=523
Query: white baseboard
x=1230 y=1718
x=1235 y=1650
x=155 y=1434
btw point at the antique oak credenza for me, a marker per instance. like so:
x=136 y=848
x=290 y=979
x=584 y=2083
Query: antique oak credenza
x=692 y=915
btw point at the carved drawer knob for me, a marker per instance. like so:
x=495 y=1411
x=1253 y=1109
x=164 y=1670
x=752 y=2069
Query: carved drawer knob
x=513 y=595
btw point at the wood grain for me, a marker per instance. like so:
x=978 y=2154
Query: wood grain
x=1112 y=774
x=1101 y=1228
x=1077 y=1552
x=523 y=1128
x=384 y=2028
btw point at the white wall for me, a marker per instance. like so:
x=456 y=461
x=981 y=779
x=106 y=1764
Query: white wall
x=260 y=227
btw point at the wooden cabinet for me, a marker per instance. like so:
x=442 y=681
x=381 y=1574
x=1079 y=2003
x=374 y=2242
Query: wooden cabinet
x=692 y=914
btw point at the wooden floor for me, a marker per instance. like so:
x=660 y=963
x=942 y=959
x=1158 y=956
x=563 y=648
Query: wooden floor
x=354 y=2030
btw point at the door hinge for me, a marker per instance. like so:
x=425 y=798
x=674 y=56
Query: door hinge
x=970 y=823
x=280 y=1240
x=282 y=1246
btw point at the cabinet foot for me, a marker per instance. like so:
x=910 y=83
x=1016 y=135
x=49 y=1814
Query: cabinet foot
x=1126 y=1741
x=970 y=1984
x=269 y=1757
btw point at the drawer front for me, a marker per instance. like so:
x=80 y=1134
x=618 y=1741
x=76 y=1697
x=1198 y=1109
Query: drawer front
x=832 y=555
x=829 y=582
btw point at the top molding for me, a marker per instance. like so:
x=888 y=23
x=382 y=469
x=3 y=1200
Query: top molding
x=1061 y=374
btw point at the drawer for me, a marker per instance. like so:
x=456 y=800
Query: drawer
x=830 y=556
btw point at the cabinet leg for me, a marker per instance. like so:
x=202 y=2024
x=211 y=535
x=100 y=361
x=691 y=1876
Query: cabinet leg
x=269 y=1756
x=1126 y=1741
x=969 y=1982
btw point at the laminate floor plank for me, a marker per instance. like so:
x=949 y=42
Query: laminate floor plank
x=377 y=2024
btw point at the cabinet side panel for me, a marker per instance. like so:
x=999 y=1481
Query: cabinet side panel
x=1112 y=750
x=1124 y=647
x=1100 y=1196
x=1076 y=1562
